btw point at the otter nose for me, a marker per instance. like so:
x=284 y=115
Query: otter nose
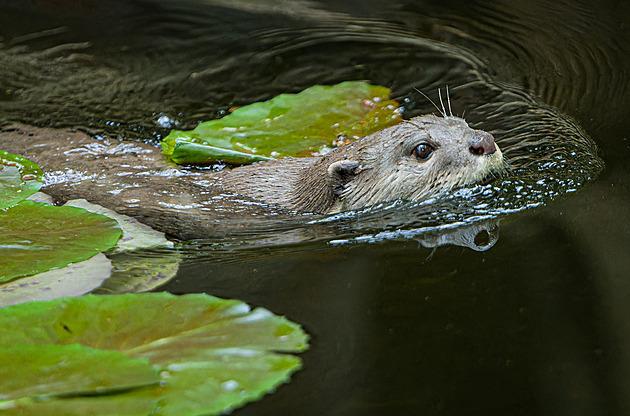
x=482 y=144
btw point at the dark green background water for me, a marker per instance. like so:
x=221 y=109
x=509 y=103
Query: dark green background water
x=537 y=325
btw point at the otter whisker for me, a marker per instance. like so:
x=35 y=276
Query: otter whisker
x=442 y=102
x=431 y=101
x=448 y=98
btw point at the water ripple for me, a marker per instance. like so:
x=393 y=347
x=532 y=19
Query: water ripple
x=505 y=69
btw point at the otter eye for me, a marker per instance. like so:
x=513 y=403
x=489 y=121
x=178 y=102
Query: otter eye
x=423 y=152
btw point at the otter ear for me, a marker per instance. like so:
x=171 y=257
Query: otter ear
x=340 y=173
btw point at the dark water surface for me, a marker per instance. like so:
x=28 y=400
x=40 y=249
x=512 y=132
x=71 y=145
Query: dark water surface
x=537 y=324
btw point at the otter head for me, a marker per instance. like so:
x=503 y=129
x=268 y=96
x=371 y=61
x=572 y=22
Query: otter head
x=413 y=160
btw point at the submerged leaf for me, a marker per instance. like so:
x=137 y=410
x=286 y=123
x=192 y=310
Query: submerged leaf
x=214 y=354
x=300 y=124
x=141 y=271
x=19 y=178
x=36 y=237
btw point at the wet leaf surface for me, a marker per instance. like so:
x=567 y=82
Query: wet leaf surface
x=73 y=280
x=19 y=178
x=136 y=268
x=135 y=235
x=300 y=124
x=45 y=370
x=212 y=354
x=36 y=237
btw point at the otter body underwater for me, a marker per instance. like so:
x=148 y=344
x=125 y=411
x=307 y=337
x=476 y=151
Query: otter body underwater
x=414 y=160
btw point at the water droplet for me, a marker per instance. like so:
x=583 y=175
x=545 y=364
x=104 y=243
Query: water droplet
x=229 y=385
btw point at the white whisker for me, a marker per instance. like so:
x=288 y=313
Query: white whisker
x=430 y=100
x=442 y=102
x=448 y=98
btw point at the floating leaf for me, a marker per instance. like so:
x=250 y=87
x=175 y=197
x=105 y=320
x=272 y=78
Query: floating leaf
x=19 y=178
x=45 y=370
x=213 y=354
x=287 y=125
x=106 y=405
x=135 y=235
x=141 y=270
x=73 y=280
x=37 y=237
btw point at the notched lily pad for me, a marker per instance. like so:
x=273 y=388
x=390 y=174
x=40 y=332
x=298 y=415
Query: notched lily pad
x=212 y=354
x=37 y=237
x=19 y=178
x=300 y=124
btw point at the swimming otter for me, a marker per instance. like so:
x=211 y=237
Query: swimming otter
x=413 y=160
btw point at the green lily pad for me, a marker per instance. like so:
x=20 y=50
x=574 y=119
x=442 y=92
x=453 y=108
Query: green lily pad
x=114 y=405
x=130 y=268
x=300 y=124
x=36 y=237
x=49 y=370
x=136 y=268
x=212 y=354
x=73 y=280
x=19 y=178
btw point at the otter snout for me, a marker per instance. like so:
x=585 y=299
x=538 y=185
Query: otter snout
x=482 y=144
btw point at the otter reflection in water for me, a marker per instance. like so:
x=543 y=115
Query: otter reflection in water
x=413 y=160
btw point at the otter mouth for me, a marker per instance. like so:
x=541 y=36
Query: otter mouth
x=495 y=169
x=491 y=176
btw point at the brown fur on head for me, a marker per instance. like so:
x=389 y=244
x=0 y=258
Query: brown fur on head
x=413 y=160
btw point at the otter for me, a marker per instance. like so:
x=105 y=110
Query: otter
x=413 y=160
